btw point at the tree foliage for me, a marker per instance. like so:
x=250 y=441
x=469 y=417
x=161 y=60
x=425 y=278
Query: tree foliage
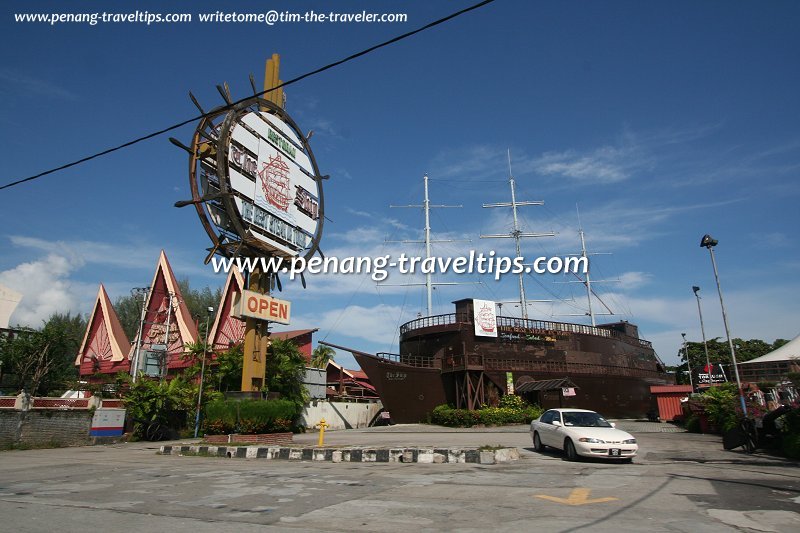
x=719 y=352
x=129 y=312
x=322 y=355
x=158 y=408
x=286 y=369
x=43 y=361
x=129 y=307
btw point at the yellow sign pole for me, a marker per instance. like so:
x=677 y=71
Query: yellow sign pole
x=256 y=342
x=256 y=336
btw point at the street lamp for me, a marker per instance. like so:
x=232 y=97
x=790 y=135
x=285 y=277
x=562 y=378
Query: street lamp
x=708 y=242
x=696 y=290
x=688 y=364
x=202 y=375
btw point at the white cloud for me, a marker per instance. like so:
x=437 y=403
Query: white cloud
x=128 y=255
x=46 y=289
x=358 y=213
x=29 y=85
x=634 y=280
x=357 y=324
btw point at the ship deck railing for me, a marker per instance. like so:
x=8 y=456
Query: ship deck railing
x=458 y=363
x=523 y=325
x=564 y=367
x=410 y=360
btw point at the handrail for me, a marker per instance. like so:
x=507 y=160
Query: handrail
x=410 y=360
x=524 y=324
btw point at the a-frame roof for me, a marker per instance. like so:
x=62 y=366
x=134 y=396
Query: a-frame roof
x=227 y=330
x=164 y=283
x=104 y=338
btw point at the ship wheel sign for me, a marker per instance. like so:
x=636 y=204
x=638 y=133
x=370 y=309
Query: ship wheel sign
x=254 y=181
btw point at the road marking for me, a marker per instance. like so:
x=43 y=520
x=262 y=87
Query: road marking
x=576 y=497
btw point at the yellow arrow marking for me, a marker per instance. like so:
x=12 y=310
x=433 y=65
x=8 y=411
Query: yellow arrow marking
x=576 y=497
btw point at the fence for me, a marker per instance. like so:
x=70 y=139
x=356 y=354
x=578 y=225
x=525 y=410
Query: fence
x=24 y=403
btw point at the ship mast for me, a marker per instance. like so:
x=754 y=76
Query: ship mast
x=429 y=284
x=587 y=280
x=516 y=233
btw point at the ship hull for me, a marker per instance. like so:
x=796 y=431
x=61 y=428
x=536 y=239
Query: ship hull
x=443 y=361
x=410 y=393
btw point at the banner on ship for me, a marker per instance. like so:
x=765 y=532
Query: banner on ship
x=485 y=318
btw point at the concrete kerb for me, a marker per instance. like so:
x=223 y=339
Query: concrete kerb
x=424 y=455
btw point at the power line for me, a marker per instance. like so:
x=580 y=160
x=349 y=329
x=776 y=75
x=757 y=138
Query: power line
x=230 y=106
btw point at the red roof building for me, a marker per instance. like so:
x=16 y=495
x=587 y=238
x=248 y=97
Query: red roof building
x=227 y=331
x=168 y=321
x=302 y=338
x=349 y=384
x=105 y=346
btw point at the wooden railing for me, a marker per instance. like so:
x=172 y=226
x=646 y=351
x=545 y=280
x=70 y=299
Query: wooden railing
x=563 y=367
x=522 y=325
x=410 y=360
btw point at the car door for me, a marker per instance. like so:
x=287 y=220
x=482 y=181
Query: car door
x=548 y=433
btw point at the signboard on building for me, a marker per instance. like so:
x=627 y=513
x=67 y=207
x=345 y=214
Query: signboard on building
x=711 y=374
x=250 y=304
x=485 y=318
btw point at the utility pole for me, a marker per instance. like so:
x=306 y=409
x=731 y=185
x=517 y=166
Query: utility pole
x=210 y=310
x=165 y=362
x=688 y=363
x=709 y=242
x=696 y=290
x=143 y=292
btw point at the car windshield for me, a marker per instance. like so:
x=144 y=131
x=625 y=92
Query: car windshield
x=586 y=420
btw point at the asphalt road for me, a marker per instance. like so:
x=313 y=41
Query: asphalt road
x=680 y=482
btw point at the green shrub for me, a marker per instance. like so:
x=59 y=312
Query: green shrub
x=721 y=405
x=511 y=411
x=249 y=416
x=791 y=446
x=512 y=401
x=693 y=424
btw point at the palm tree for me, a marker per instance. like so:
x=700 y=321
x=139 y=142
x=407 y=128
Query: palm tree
x=322 y=355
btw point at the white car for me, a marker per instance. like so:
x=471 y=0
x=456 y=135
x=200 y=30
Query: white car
x=582 y=433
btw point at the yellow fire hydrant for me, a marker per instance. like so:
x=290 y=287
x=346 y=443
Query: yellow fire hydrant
x=322 y=425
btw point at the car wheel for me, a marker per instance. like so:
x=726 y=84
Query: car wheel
x=537 y=443
x=569 y=450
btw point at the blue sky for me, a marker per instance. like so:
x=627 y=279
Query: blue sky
x=663 y=121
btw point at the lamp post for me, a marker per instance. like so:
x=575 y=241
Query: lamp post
x=696 y=290
x=709 y=242
x=202 y=375
x=688 y=363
